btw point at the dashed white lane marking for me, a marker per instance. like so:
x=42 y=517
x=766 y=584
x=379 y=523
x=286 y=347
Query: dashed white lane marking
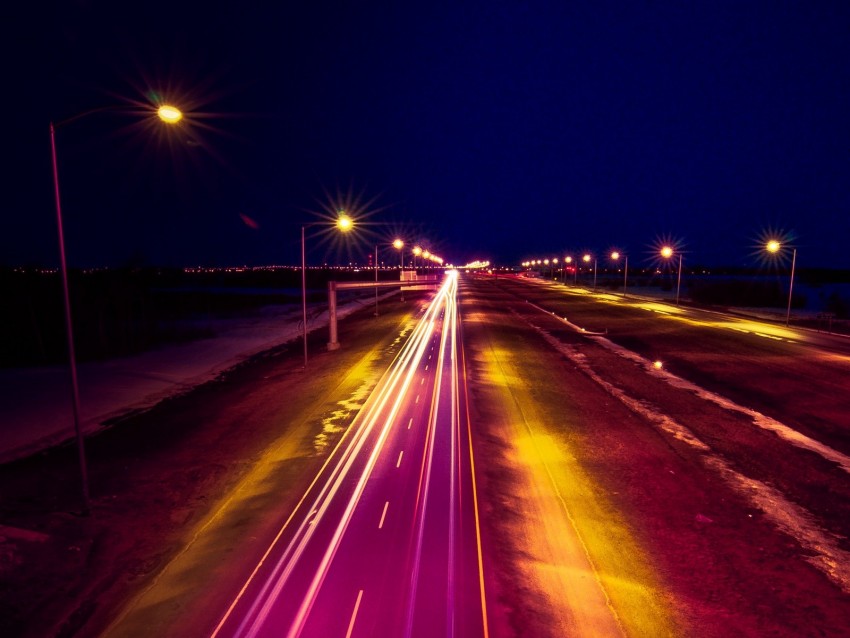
x=384 y=515
x=354 y=614
x=400 y=454
x=409 y=423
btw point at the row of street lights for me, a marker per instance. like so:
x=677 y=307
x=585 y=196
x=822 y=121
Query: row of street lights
x=344 y=223
x=667 y=252
x=398 y=244
x=427 y=255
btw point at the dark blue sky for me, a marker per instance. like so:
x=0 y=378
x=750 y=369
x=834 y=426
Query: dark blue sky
x=489 y=129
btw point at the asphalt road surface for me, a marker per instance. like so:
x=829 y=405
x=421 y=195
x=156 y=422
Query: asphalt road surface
x=386 y=541
x=547 y=461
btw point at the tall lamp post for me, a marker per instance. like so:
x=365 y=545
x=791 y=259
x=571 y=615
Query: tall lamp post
x=667 y=253
x=398 y=244
x=416 y=252
x=169 y=115
x=773 y=246
x=567 y=260
x=344 y=224
x=615 y=256
x=586 y=259
x=376 y=279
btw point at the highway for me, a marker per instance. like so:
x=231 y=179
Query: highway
x=386 y=540
x=540 y=460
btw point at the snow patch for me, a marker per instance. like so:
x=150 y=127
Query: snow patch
x=785 y=432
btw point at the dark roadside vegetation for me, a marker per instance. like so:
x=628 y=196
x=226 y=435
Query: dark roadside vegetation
x=124 y=311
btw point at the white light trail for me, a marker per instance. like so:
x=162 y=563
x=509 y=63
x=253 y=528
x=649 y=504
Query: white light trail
x=373 y=423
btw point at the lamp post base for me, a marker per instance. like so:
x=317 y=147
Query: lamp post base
x=333 y=345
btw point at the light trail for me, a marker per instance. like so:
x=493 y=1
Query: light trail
x=289 y=580
x=444 y=456
x=391 y=390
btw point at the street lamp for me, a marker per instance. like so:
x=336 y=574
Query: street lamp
x=773 y=246
x=615 y=256
x=398 y=244
x=416 y=252
x=567 y=260
x=343 y=223
x=586 y=259
x=376 y=280
x=169 y=115
x=667 y=253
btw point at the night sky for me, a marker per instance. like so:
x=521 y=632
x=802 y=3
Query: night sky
x=492 y=130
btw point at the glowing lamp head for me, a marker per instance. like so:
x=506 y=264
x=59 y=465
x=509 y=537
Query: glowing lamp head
x=773 y=246
x=586 y=258
x=555 y=260
x=426 y=254
x=666 y=252
x=615 y=255
x=169 y=114
x=398 y=244
x=344 y=222
x=568 y=259
x=546 y=261
x=417 y=251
